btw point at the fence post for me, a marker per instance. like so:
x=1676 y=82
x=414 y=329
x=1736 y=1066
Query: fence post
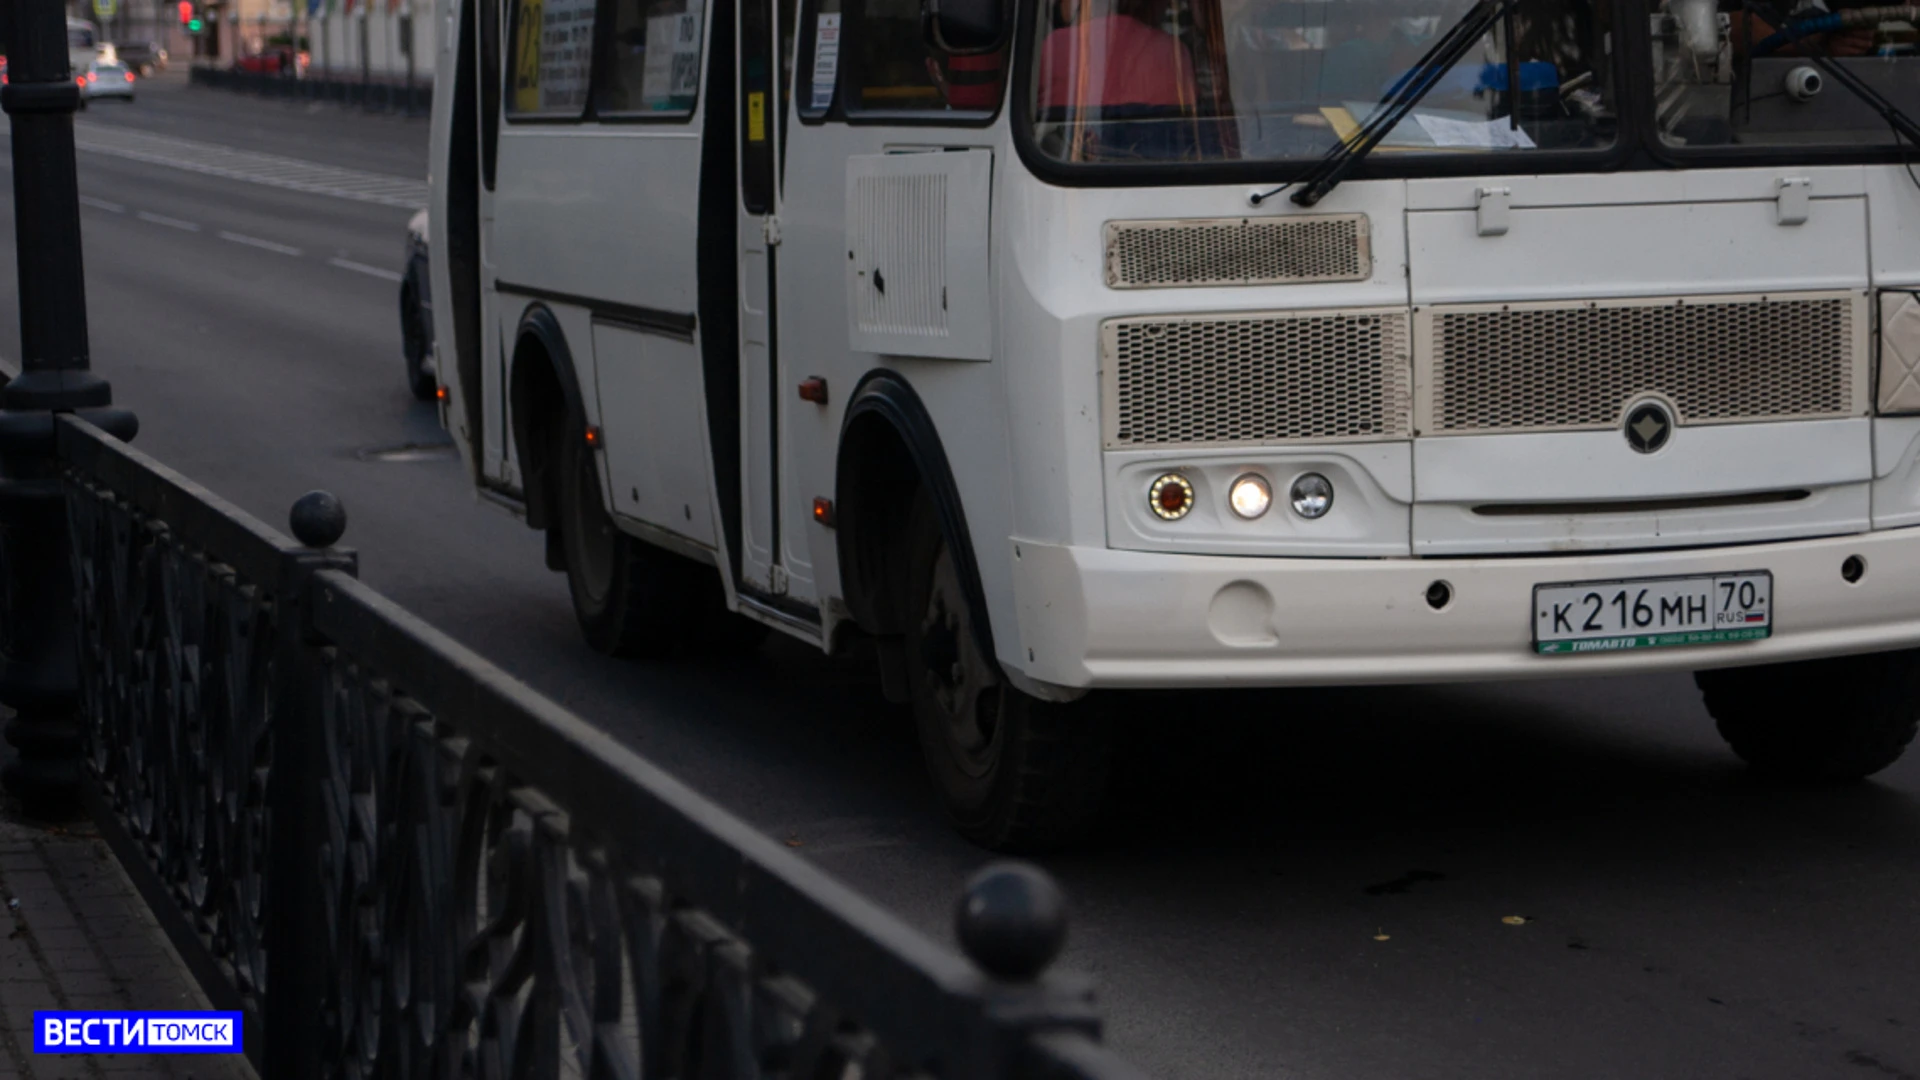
x=296 y=930
x=40 y=680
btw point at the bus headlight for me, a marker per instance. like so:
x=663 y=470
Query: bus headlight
x=1170 y=497
x=1250 y=496
x=1311 y=495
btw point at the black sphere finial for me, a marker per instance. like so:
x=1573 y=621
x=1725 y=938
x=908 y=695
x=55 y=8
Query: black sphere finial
x=1012 y=921
x=318 y=519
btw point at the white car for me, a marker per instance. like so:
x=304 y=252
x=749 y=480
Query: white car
x=106 y=78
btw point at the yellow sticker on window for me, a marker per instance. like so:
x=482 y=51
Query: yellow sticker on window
x=526 y=68
x=757 y=116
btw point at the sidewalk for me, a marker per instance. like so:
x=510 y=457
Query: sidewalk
x=79 y=937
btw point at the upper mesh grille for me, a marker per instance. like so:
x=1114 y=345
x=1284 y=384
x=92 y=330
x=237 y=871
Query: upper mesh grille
x=1566 y=366
x=1226 y=380
x=1236 y=251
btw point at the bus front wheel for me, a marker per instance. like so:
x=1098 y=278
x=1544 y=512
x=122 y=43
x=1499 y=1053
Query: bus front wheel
x=1842 y=718
x=1015 y=773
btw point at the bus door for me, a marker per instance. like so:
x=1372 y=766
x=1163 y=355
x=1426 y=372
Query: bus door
x=758 y=130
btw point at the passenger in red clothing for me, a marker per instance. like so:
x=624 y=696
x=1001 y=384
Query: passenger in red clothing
x=1107 y=52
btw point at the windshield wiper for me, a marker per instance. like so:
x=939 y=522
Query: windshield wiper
x=1899 y=120
x=1426 y=74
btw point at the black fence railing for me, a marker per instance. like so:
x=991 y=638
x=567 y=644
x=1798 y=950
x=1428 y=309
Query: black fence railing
x=399 y=861
x=383 y=94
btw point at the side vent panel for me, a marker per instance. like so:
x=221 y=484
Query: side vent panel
x=1180 y=253
x=917 y=280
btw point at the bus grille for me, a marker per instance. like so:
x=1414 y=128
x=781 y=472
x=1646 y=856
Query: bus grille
x=1236 y=251
x=1570 y=366
x=1250 y=380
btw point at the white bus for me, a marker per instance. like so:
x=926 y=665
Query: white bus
x=1063 y=345
x=83 y=44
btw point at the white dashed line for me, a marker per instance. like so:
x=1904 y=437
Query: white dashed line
x=263 y=245
x=169 y=222
x=102 y=204
x=362 y=268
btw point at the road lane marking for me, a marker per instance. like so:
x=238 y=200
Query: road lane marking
x=102 y=204
x=380 y=272
x=263 y=245
x=250 y=166
x=169 y=222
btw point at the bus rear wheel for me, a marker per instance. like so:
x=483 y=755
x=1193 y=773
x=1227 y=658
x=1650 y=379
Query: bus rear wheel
x=1014 y=773
x=626 y=595
x=631 y=598
x=1837 y=719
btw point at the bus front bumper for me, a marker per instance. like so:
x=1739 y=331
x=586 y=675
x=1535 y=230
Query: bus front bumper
x=1097 y=617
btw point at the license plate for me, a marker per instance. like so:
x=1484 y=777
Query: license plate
x=1651 y=613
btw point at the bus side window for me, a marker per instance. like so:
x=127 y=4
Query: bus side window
x=552 y=42
x=892 y=70
x=652 y=60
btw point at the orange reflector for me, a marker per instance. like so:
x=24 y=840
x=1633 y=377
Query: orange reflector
x=593 y=435
x=814 y=390
x=440 y=392
x=823 y=510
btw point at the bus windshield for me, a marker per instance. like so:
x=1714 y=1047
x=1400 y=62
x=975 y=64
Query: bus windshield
x=1250 y=80
x=1734 y=78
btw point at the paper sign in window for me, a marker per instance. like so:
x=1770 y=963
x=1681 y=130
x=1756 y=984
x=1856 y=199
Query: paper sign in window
x=671 y=74
x=826 y=58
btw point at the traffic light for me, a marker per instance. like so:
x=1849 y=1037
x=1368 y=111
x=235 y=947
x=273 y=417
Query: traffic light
x=185 y=8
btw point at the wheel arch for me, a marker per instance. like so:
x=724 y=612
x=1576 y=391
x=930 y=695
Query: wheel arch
x=889 y=448
x=541 y=382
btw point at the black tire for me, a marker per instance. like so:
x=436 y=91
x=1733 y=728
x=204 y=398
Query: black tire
x=631 y=598
x=1818 y=720
x=414 y=336
x=1014 y=773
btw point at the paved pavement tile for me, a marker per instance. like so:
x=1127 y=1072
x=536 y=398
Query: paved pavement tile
x=75 y=934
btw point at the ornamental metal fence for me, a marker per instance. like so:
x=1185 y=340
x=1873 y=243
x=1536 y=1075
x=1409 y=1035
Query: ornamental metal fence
x=398 y=861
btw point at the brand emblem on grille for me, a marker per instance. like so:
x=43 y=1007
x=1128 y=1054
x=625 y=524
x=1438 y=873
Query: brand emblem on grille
x=1649 y=426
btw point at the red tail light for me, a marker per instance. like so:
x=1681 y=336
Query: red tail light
x=129 y=76
x=93 y=76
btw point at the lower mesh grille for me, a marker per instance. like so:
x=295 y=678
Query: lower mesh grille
x=1566 y=366
x=1227 y=380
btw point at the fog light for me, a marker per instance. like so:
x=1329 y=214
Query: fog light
x=1312 y=496
x=1170 y=497
x=1250 y=496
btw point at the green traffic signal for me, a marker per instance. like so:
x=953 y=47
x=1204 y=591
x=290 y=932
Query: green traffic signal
x=193 y=26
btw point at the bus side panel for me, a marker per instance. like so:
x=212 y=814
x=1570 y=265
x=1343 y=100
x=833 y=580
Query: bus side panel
x=600 y=218
x=601 y=212
x=966 y=399
x=655 y=444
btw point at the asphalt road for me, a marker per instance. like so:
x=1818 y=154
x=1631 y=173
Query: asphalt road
x=1299 y=884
